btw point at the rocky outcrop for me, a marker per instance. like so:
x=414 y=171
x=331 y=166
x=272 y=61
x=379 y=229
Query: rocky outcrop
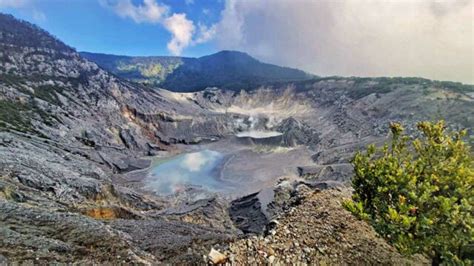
x=297 y=133
x=248 y=215
x=335 y=172
x=318 y=231
x=255 y=213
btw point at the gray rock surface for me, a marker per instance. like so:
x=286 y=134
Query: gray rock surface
x=256 y=213
x=336 y=172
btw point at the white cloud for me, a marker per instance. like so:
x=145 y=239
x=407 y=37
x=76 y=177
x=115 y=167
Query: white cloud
x=181 y=28
x=433 y=39
x=189 y=2
x=205 y=33
x=182 y=31
x=149 y=11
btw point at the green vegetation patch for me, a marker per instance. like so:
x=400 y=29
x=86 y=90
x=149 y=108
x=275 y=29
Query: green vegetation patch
x=48 y=93
x=10 y=79
x=361 y=91
x=13 y=114
x=419 y=193
x=18 y=116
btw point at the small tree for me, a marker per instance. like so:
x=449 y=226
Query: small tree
x=419 y=193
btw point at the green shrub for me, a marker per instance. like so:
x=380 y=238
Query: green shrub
x=418 y=193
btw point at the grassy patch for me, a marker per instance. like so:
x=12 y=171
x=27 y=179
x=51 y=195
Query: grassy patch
x=10 y=79
x=48 y=93
x=361 y=91
x=14 y=114
x=455 y=86
x=18 y=116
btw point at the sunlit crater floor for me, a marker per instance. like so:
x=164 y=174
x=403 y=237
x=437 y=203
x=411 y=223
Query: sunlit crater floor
x=225 y=167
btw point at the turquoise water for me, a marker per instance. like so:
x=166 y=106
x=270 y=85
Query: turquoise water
x=196 y=169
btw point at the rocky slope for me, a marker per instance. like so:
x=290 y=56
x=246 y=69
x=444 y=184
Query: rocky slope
x=318 y=231
x=71 y=133
x=66 y=127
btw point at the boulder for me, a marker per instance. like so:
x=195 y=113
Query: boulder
x=247 y=214
x=216 y=257
x=128 y=139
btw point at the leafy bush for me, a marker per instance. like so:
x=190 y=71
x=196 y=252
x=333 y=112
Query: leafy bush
x=418 y=193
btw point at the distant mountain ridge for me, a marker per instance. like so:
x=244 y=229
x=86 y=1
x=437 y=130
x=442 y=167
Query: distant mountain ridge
x=225 y=69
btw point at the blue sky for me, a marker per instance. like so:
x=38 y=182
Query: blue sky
x=94 y=25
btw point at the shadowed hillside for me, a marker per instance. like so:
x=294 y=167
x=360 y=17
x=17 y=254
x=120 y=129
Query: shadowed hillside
x=150 y=70
x=225 y=69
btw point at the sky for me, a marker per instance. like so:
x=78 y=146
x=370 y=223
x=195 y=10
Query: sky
x=426 y=38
